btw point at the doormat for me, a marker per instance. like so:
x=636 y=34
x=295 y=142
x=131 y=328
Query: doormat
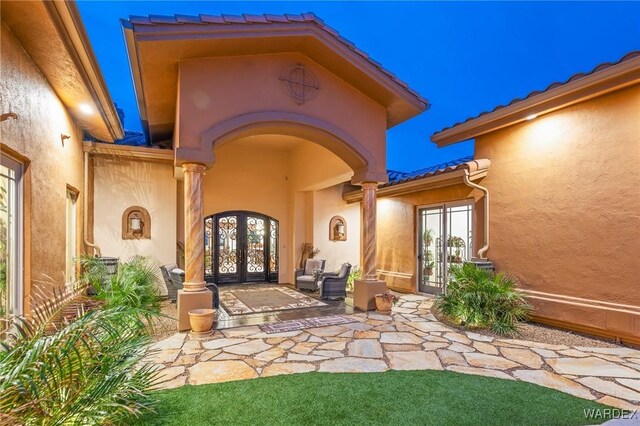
x=237 y=301
x=301 y=324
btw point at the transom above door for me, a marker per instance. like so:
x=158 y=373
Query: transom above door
x=240 y=247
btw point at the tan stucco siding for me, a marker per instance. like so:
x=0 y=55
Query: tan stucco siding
x=397 y=231
x=246 y=178
x=122 y=183
x=213 y=90
x=36 y=138
x=565 y=205
x=328 y=203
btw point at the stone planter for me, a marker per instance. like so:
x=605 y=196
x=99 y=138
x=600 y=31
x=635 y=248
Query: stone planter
x=201 y=320
x=383 y=304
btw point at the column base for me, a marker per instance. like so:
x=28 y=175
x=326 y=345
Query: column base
x=364 y=292
x=188 y=300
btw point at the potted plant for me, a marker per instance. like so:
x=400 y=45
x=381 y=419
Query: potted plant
x=384 y=301
x=201 y=320
x=430 y=263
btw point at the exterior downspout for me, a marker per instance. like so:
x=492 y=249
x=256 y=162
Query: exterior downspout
x=468 y=182
x=96 y=249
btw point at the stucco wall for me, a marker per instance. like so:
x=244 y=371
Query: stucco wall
x=123 y=183
x=565 y=207
x=246 y=178
x=52 y=165
x=396 y=227
x=328 y=203
x=245 y=84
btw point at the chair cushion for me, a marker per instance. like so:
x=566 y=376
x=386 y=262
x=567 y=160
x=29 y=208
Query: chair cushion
x=177 y=271
x=311 y=265
x=306 y=278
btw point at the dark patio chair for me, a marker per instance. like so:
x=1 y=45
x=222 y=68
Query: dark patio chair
x=307 y=278
x=214 y=289
x=333 y=285
x=172 y=292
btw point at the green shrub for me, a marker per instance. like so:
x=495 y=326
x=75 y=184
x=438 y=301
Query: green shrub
x=87 y=371
x=134 y=285
x=480 y=299
x=355 y=274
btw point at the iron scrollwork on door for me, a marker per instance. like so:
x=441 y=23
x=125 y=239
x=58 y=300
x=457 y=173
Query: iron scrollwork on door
x=241 y=247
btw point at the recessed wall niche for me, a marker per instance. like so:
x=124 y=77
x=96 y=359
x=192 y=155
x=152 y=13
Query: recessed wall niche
x=136 y=224
x=338 y=229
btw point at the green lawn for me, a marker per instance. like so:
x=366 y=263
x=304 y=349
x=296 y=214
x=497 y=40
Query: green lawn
x=393 y=397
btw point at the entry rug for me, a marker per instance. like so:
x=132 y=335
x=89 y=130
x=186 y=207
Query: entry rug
x=237 y=301
x=301 y=324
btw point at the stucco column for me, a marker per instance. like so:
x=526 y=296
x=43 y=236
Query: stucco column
x=194 y=295
x=365 y=289
x=369 y=190
x=193 y=227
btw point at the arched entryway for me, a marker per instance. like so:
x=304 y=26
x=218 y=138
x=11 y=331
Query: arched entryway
x=240 y=247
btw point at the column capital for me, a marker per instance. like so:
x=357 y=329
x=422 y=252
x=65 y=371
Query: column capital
x=369 y=185
x=194 y=167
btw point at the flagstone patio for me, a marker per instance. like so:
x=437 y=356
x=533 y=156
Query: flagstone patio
x=409 y=338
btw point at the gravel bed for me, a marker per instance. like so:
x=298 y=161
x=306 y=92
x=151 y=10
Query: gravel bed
x=542 y=334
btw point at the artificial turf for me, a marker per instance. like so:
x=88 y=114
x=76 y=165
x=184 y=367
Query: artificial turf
x=393 y=397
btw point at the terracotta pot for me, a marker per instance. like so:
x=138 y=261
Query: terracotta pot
x=201 y=320
x=382 y=304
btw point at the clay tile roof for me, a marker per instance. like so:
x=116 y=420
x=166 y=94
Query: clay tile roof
x=397 y=177
x=552 y=86
x=265 y=19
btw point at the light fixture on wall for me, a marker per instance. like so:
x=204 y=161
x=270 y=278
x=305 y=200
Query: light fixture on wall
x=8 y=115
x=136 y=224
x=338 y=229
x=64 y=137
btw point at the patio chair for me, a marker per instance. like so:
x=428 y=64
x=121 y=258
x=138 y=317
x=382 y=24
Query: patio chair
x=307 y=278
x=177 y=278
x=214 y=289
x=172 y=292
x=333 y=285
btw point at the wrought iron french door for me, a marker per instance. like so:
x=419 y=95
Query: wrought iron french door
x=240 y=247
x=445 y=238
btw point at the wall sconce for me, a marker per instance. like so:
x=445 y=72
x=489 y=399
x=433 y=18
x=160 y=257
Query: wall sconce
x=136 y=224
x=338 y=229
x=8 y=115
x=64 y=137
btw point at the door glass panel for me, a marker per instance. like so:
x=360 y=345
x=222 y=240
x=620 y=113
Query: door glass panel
x=228 y=245
x=208 y=246
x=10 y=286
x=71 y=237
x=273 y=247
x=431 y=258
x=459 y=239
x=255 y=244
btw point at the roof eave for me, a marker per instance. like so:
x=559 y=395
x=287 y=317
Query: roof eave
x=476 y=169
x=616 y=77
x=66 y=18
x=135 y=33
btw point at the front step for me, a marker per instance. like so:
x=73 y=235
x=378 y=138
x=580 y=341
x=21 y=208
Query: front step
x=485 y=264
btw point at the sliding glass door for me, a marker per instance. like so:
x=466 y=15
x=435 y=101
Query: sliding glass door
x=10 y=239
x=445 y=238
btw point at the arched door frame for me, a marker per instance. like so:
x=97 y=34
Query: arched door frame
x=239 y=262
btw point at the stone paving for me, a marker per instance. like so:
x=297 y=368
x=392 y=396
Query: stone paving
x=408 y=338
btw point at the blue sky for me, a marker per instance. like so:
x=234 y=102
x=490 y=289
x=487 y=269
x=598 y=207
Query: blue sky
x=464 y=57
